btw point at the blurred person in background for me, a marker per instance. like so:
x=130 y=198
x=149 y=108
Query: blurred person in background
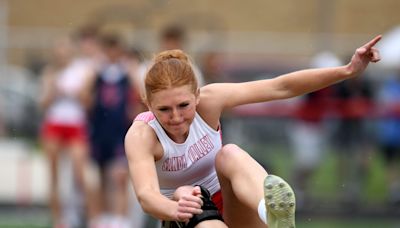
x=136 y=64
x=89 y=53
x=173 y=36
x=191 y=178
x=111 y=96
x=353 y=138
x=389 y=133
x=64 y=126
x=211 y=67
x=307 y=133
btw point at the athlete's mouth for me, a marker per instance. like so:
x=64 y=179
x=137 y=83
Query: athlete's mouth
x=176 y=124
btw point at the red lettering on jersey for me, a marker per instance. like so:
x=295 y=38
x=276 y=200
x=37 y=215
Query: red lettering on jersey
x=200 y=149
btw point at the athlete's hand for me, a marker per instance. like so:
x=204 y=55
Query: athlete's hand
x=189 y=203
x=363 y=56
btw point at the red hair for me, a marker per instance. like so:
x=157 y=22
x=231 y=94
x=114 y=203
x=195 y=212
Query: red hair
x=170 y=69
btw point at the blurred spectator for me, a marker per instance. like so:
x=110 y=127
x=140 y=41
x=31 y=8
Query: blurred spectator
x=352 y=137
x=308 y=140
x=137 y=67
x=389 y=133
x=64 y=125
x=174 y=37
x=211 y=68
x=307 y=133
x=89 y=50
x=112 y=100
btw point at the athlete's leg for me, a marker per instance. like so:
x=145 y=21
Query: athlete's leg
x=244 y=183
x=52 y=148
x=241 y=179
x=83 y=173
x=120 y=181
x=211 y=223
x=80 y=160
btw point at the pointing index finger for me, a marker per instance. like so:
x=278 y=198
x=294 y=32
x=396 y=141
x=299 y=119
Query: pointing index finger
x=372 y=43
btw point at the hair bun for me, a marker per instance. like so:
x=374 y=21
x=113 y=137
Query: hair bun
x=171 y=54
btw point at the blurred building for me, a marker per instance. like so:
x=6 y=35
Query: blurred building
x=295 y=29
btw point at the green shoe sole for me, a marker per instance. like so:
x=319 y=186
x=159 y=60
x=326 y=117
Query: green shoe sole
x=280 y=203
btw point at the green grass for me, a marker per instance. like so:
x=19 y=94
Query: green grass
x=23 y=225
x=325 y=183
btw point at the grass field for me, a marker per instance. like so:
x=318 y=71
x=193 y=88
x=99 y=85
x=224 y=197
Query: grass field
x=325 y=183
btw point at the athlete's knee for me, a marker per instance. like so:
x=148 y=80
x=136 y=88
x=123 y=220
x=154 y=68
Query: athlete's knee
x=91 y=175
x=228 y=153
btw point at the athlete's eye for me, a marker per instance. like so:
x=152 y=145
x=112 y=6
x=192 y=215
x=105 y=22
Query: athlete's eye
x=163 y=109
x=183 y=105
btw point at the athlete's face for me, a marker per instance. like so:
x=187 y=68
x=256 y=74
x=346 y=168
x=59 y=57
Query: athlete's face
x=175 y=109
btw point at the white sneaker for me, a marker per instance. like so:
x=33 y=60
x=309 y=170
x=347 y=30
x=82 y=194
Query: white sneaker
x=280 y=203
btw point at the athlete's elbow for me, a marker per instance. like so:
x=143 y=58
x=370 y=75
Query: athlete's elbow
x=148 y=207
x=142 y=200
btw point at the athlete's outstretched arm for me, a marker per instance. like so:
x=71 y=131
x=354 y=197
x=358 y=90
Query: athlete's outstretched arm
x=228 y=95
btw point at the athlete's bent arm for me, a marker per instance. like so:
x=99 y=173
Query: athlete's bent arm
x=141 y=146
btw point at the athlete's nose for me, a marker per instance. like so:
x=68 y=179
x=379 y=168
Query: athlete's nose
x=175 y=116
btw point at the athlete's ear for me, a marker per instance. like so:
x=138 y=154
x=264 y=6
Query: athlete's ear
x=148 y=106
x=144 y=99
x=147 y=103
x=197 y=94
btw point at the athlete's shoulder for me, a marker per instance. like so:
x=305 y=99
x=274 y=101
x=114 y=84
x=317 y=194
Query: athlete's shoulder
x=211 y=104
x=145 y=117
x=141 y=138
x=140 y=131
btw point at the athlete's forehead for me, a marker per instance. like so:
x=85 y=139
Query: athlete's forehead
x=172 y=96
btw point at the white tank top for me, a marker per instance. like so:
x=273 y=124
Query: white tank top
x=189 y=163
x=67 y=109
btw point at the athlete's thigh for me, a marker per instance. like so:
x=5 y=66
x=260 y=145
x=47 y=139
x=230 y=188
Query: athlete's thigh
x=237 y=214
x=211 y=223
x=204 y=224
x=239 y=172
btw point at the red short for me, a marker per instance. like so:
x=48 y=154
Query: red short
x=217 y=199
x=64 y=133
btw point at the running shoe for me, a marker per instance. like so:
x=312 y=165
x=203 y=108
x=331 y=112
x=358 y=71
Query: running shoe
x=280 y=203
